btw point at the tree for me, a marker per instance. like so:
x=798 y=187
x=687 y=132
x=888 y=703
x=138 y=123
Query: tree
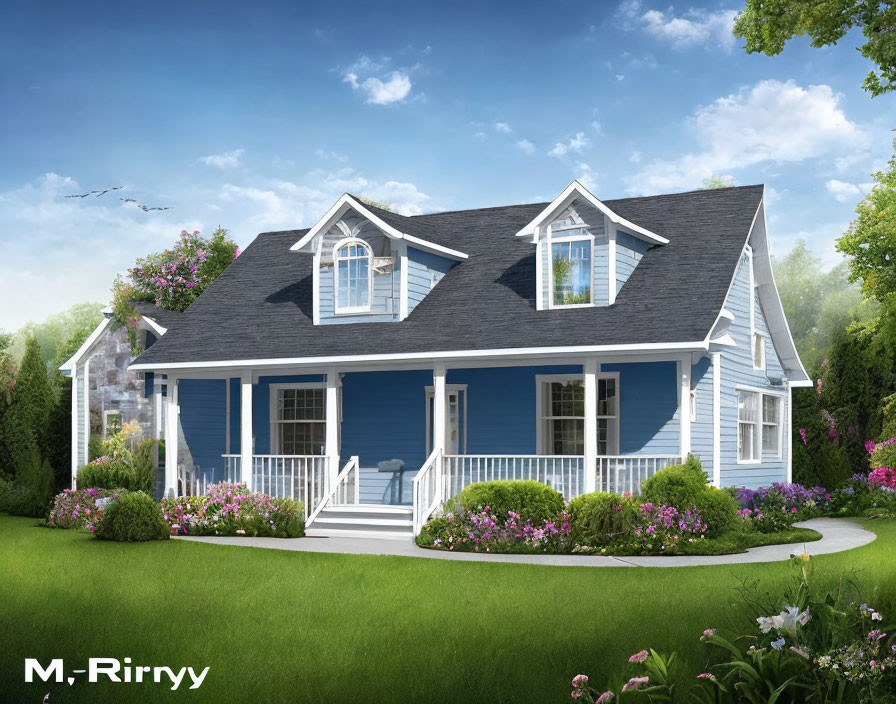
x=714 y=181
x=818 y=304
x=767 y=25
x=26 y=420
x=52 y=334
x=871 y=238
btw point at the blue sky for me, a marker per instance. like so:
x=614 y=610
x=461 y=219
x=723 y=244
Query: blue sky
x=258 y=116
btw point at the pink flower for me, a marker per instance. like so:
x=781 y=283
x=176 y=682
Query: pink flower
x=803 y=436
x=639 y=657
x=237 y=252
x=708 y=632
x=706 y=676
x=579 y=681
x=635 y=683
x=605 y=697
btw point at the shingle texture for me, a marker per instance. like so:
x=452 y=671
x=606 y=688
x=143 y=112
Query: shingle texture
x=261 y=306
x=164 y=317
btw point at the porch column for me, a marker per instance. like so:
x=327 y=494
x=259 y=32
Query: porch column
x=246 y=433
x=438 y=407
x=331 y=414
x=76 y=448
x=171 y=422
x=684 y=405
x=589 y=481
x=717 y=419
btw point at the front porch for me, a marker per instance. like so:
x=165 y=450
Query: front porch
x=599 y=425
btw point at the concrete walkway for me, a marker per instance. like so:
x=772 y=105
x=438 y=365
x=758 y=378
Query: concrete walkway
x=838 y=534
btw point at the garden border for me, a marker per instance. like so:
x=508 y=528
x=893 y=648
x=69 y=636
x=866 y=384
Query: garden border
x=838 y=535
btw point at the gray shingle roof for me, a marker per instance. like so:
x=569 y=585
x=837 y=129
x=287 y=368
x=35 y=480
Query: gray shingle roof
x=164 y=317
x=261 y=306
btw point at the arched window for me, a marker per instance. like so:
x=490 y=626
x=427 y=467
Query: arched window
x=352 y=266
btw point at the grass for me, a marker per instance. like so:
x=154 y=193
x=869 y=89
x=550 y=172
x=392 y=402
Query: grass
x=738 y=541
x=277 y=626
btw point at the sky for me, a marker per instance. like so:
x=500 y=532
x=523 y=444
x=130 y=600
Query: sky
x=258 y=116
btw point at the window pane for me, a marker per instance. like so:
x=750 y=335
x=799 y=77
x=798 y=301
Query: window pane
x=770 y=439
x=300 y=404
x=769 y=409
x=353 y=276
x=568 y=437
x=745 y=441
x=302 y=438
x=606 y=397
x=572 y=272
x=747 y=407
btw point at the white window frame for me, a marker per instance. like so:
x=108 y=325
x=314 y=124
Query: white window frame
x=337 y=259
x=563 y=239
x=275 y=422
x=758 y=337
x=778 y=425
x=462 y=411
x=106 y=414
x=542 y=442
x=758 y=455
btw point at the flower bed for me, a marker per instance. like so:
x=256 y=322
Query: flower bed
x=778 y=506
x=78 y=509
x=230 y=509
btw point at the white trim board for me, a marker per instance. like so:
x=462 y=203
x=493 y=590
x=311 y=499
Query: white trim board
x=541 y=379
x=66 y=366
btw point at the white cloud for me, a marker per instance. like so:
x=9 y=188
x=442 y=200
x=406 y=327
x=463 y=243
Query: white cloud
x=379 y=89
x=597 y=127
x=771 y=122
x=526 y=146
x=844 y=191
x=227 y=160
x=695 y=28
x=575 y=144
x=587 y=177
x=503 y=128
x=635 y=157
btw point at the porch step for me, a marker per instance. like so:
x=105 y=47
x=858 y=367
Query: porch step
x=359 y=520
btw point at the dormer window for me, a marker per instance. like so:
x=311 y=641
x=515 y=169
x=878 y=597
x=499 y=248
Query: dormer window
x=572 y=271
x=353 y=263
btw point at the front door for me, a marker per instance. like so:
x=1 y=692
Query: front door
x=455 y=419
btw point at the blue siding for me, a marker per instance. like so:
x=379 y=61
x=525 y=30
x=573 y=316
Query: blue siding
x=701 y=428
x=202 y=418
x=383 y=307
x=234 y=415
x=425 y=270
x=629 y=251
x=648 y=410
x=261 y=407
x=737 y=368
x=501 y=413
x=148 y=384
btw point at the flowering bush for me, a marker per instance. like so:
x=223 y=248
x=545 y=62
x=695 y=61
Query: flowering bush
x=809 y=647
x=867 y=495
x=77 y=509
x=230 y=509
x=882 y=477
x=775 y=507
x=126 y=463
x=483 y=530
x=883 y=454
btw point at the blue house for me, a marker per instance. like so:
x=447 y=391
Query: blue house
x=582 y=343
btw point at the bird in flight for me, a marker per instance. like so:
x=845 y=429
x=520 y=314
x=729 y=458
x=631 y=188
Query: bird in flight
x=100 y=192
x=144 y=208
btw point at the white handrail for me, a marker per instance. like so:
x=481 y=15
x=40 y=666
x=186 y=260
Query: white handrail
x=624 y=473
x=352 y=464
x=563 y=472
x=427 y=489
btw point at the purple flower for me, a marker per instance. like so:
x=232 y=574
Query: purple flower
x=639 y=657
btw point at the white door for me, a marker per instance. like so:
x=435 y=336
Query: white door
x=455 y=419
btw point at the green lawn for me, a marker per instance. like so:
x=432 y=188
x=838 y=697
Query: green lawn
x=277 y=626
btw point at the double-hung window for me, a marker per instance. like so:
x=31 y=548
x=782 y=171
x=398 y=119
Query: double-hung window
x=758 y=426
x=298 y=420
x=572 y=271
x=562 y=416
x=352 y=267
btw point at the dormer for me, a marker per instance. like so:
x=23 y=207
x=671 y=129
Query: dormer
x=369 y=266
x=584 y=252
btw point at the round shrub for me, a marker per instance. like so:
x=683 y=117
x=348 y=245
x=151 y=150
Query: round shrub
x=596 y=517
x=679 y=485
x=718 y=509
x=530 y=499
x=133 y=517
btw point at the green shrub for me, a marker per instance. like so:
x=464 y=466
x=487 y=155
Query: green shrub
x=134 y=517
x=31 y=492
x=596 y=517
x=679 y=485
x=530 y=499
x=133 y=472
x=718 y=509
x=144 y=467
x=884 y=456
x=94 y=447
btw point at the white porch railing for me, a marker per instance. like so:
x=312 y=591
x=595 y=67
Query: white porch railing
x=624 y=473
x=563 y=472
x=193 y=481
x=427 y=493
x=345 y=490
x=302 y=477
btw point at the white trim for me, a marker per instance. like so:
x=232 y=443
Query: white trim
x=438 y=408
x=86 y=347
x=590 y=370
x=508 y=353
x=779 y=455
x=226 y=415
x=106 y=414
x=574 y=191
x=748 y=251
x=684 y=406
x=717 y=418
x=153 y=325
x=347 y=241
x=157 y=400
x=759 y=390
x=404 y=275
x=788 y=430
x=331 y=416
x=247 y=436
x=569 y=240
x=611 y=231
x=762 y=351
x=76 y=450
x=171 y=449
x=346 y=203
x=86 y=419
x=429 y=393
x=315 y=284
x=541 y=379
x=756 y=453
x=539 y=275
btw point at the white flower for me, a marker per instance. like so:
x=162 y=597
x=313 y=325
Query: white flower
x=876 y=617
x=778 y=644
x=766 y=623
